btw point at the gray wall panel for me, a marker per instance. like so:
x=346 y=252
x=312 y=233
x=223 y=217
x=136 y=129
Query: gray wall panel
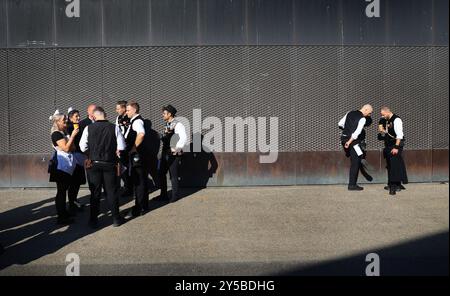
x=30 y=23
x=440 y=101
x=361 y=82
x=408 y=92
x=358 y=29
x=174 y=80
x=175 y=22
x=3 y=24
x=78 y=74
x=316 y=99
x=410 y=22
x=83 y=31
x=31 y=98
x=440 y=22
x=4 y=111
x=126 y=22
x=126 y=76
x=224 y=85
x=223 y=22
x=317 y=22
x=270 y=84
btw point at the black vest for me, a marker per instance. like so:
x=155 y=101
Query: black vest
x=391 y=138
x=102 y=141
x=130 y=137
x=351 y=124
x=169 y=132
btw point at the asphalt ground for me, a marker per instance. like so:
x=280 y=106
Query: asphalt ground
x=289 y=230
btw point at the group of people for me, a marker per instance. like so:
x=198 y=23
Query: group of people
x=390 y=131
x=103 y=153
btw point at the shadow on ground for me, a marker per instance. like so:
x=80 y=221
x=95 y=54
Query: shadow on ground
x=425 y=256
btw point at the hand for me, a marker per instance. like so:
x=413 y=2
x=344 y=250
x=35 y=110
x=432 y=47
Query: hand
x=347 y=144
x=173 y=150
x=88 y=163
x=394 y=151
x=133 y=150
x=75 y=132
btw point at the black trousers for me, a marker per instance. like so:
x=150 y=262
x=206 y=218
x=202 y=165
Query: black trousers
x=139 y=177
x=355 y=163
x=395 y=166
x=63 y=188
x=125 y=176
x=171 y=163
x=104 y=175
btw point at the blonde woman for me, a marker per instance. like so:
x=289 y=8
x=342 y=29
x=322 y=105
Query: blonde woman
x=62 y=173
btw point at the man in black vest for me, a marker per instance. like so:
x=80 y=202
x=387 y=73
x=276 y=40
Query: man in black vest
x=123 y=123
x=352 y=125
x=173 y=139
x=102 y=141
x=392 y=132
x=138 y=159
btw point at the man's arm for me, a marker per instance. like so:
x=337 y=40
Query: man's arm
x=181 y=132
x=398 y=128
x=84 y=140
x=357 y=132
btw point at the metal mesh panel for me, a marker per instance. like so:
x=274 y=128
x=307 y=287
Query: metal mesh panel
x=223 y=85
x=78 y=78
x=361 y=82
x=32 y=99
x=316 y=99
x=301 y=85
x=439 y=115
x=174 y=80
x=407 y=92
x=270 y=85
x=126 y=76
x=4 y=122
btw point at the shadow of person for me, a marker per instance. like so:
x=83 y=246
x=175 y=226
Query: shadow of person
x=196 y=168
x=30 y=232
x=152 y=143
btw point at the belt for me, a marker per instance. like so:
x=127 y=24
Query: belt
x=103 y=162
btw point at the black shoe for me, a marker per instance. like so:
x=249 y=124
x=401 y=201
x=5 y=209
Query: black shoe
x=64 y=221
x=392 y=190
x=355 y=188
x=93 y=223
x=386 y=187
x=134 y=213
x=118 y=221
x=401 y=187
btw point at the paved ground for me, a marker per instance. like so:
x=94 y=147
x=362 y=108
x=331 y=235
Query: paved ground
x=237 y=231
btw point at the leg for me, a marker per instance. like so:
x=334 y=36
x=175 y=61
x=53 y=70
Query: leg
x=96 y=178
x=174 y=163
x=354 y=167
x=140 y=188
x=111 y=187
x=60 y=199
x=162 y=175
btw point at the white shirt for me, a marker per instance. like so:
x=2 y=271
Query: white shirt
x=359 y=128
x=398 y=128
x=84 y=140
x=180 y=130
x=137 y=126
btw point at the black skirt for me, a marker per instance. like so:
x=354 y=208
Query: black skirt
x=78 y=177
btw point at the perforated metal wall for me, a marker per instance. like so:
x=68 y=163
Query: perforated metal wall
x=4 y=122
x=308 y=87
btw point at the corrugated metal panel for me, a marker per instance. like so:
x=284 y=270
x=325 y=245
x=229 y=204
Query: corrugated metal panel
x=4 y=111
